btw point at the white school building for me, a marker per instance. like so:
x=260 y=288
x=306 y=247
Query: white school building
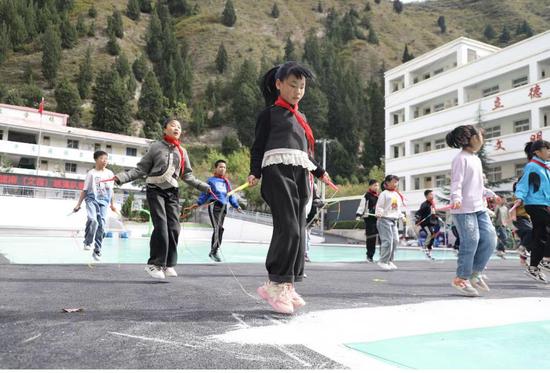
x=463 y=82
x=42 y=152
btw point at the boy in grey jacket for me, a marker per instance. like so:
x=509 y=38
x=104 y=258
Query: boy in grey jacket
x=161 y=166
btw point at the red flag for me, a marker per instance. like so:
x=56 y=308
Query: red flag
x=41 y=106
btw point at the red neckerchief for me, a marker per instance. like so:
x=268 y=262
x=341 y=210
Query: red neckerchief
x=398 y=192
x=294 y=110
x=373 y=193
x=176 y=143
x=226 y=182
x=540 y=164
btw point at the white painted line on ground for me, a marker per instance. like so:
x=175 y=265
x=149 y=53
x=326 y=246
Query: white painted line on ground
x=154 y=340
x=241 y=324
x=31 y=338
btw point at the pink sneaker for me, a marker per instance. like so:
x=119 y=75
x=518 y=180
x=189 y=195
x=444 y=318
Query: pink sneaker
x=279 y=296
x=297 y=300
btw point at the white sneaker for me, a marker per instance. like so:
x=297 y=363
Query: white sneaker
x=170 y=272
x=155 y=272
x=384 y=266
x=477 y=282
x=88 y=247
x=392 y=265
x=97 y=256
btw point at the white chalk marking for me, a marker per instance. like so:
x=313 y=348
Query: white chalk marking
x=154 y=340
x=31 y=338
x=237 y=317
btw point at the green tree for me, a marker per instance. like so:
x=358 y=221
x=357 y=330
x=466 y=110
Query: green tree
x=30 y=95
x=123 y=66
x=28 y=74
x=230 y=144
x=111 y=103
x=133 y=10
x=18 y=32
x=81 y=28
x=85 y=75
x=290 y=51
x=92 y=12
x=222 y=60
x=91 y=29
x=526 y=29
x=489 y=32
x=275 y=11
x=51 y=54
x=229 y=17
x=68 y=101
x=504 y=37
x=373 y=38
x=126 y=209
x=145 y=6
x=247 y=101
x=367 y=7
x=139 y=67
x=312 y=51
x=68 y=34
x=112 y=46
x=397 y=6
x=150 y=106
x=375 y=137
x=406 y=55
x=441 y=24
x=179 y=8
x=5 y=43
x=198 y=119
x=320 y=7
x=154 y=39
x=118 y=25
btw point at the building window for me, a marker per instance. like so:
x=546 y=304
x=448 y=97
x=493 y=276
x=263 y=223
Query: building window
x=521 y=125
x=491 y=132
x=439 y=144
x=70 y=167
x=545 y=120
x=427 y=146
x=395 y=118
x=439 y=107
x=472 y=55
x=428 y=182
x=416 y=183
x=490 y=91
x=1 y=134
x=395 y=87
x=494 y=174
x=44 y=165
x=519 y=82
x=132 y=152
x=518 y=170
x=415 y=80
x=97 y=147
x=416 y=148
x=438 y=71
x=72 y=144
x=396 y=151
x=440 y=181
x=426 y=76
x=46 y=140
x=427 y=111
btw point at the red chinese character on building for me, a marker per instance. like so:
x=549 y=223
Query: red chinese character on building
x=535 y=92
x=498 y=145
x=57 y=183
x=498 y=103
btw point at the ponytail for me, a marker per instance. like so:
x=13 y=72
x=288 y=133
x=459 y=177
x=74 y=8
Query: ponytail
x=281 y=72
x=460 y=137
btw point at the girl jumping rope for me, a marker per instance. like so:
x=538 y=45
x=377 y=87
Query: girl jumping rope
x=282 y=154
x=476 y=231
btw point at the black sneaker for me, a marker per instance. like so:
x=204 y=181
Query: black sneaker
x=536 y=274
x=97 y=256
x=215 y=257
x=370 y=260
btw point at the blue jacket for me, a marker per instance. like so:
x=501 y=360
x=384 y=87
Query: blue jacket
x=526 y=190
x=219 y=188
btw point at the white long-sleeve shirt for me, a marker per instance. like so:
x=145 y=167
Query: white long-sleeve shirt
x=389 y=205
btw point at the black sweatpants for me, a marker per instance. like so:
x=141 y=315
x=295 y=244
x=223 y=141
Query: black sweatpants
x=164 y=205
x=372 y=234
x=216 y=212
x=430 y=235
x=285 y=189
x=540 y=247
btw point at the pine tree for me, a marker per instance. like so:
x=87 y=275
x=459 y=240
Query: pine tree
x=526 y=29
x=117 y=24
x=179 y=8
x=374 y=139
x=320 y=7
x=139 y=67
x=133 y=10
x=68 y=101
x=406 y=55
x=51 y=54
x=154 y=39
x=112 y=46
x=91 y=29
x=229 y=17
x=5 y=44
x=397 y=6
x=92 y=12
x=28 y=74
x=377 y=1
x=150 y=106
x=18 y=32
x=81 y=28
x=367 y=7
x=29 y=16
x=145 y=6
x=290 y=52
x=122 y=66
x=247 y=101
x=312 y=51
x=198 y=119
x=222 y=59
x=441 y=24
x=111 y=103
x=504 y=37
x=85 y=75
x=68 y=34
x=275 y=11
x=230 y=144
x=180 y=68
x=64 y=5
x=489 y=32
x=373 y=38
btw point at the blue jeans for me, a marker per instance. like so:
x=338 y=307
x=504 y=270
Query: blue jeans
x=95 y=225
x=478 y=240
x=502 y=234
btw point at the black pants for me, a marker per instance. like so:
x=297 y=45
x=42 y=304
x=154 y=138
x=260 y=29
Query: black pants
x=540 y=247
x=372 y=234
x=164 y=205
x=525 y=232
x=217 y=213
x=430 y=235
x=285 y=189
x=456 y=245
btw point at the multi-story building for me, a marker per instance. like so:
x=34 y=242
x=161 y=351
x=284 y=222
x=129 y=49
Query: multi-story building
x=40 y=150
x=506 y=91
